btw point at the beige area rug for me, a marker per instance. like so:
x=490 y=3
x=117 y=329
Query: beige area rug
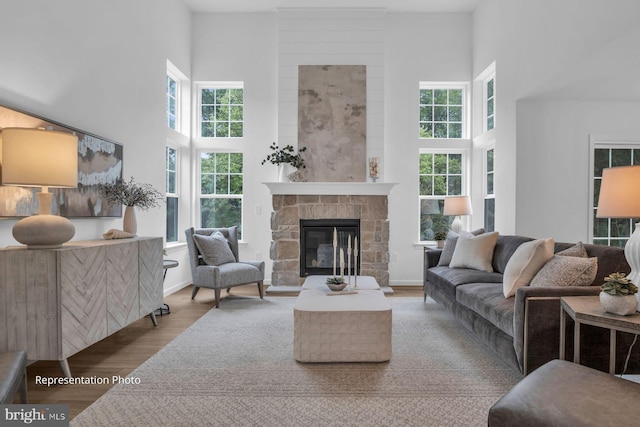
x=235 y=367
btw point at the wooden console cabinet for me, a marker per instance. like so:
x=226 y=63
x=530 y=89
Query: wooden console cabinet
x=57 y=302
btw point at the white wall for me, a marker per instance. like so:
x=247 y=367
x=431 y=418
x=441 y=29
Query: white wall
x=243 y=47
x=533 y=45
x=418 y=47
x=99 y=67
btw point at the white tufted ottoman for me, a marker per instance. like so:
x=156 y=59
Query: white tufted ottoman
x=342 y=328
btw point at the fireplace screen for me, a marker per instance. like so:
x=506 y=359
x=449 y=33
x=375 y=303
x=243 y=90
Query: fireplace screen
x=316 y=245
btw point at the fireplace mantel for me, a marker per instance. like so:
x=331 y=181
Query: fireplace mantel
x=331 y=188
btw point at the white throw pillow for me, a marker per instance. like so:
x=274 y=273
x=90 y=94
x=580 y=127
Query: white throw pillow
x=450 y=245
x=566 y=271
x=525 y=262
x=215 y=249
x=475 y=252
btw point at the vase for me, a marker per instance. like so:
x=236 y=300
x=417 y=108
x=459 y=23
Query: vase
x=284 y=170
x=618 y=304
x=129 y=223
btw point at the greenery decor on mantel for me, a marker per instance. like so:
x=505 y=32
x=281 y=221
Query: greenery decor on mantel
x=132 y=195
x=618 y=295
x=285 y=155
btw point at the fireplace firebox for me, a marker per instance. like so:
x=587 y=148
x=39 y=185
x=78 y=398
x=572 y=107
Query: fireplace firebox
x=316 y=245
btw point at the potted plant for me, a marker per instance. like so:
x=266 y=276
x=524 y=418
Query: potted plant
x=618 y=295
x=285 y=158
x=440 y=236
x=131 y=194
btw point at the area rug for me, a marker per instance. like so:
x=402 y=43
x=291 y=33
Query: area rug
x=235 y=367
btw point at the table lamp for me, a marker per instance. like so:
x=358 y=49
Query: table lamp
x=620 y=198
x=457 y=205
x=40 y=158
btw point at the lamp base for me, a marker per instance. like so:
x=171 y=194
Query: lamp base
x=43 y=231
x=456 y=225
x=632 y=254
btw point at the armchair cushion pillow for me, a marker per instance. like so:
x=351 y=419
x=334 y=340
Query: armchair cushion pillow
x=525 y=262
x=566 y=271
x=214 y=249
x=475 y=252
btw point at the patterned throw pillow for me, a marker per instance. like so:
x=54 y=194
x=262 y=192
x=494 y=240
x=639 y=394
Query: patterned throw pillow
x=576 y=250
x=215 y=249
x=566 y=271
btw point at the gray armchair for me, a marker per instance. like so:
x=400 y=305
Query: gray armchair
x=214 y=266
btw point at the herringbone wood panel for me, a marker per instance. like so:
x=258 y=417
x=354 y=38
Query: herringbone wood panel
x=83 y=298
x=150 y=275
x=122 y=285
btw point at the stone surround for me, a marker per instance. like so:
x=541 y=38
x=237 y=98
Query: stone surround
x=288 y=209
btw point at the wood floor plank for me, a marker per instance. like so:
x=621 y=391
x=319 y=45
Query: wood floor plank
x=122 y=352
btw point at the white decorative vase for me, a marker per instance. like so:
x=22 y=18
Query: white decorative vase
x=129 y=223
x=284 y=170
x=621 y=305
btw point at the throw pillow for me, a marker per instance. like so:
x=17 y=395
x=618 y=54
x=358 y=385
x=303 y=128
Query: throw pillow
x=450 y=245
x=215 y=249
x=525 y=262
x=566 y=271
x=576 y=250
x=475 y=252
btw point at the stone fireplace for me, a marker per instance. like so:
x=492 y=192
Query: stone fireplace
x=366 y=202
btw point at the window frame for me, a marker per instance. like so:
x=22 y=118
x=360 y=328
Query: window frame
x=217 y=86
x=200 y=195
x=464 y=178
x=485 y=103
x=178 y=101
x=465 y=108
x=174 y=195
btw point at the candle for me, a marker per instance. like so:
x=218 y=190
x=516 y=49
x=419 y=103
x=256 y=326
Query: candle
x=335 y=245
x=349 y=260
x=355 y=261
x=341 y=262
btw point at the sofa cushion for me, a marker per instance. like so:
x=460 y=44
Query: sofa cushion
x=475 y=252
x=525 y=262
x=215 y=249
x=566 y=271
x=449 y=278
x=505 y=247
x=576 y=250
x=450 y=245
x=487 y=300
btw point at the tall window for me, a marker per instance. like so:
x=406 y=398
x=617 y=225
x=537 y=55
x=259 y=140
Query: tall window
x=221 y=189
x=172 y=101
x=489 y=194
x=611 y=231
x=442 y=111
x=221 y=108
x=440 y=175
x=490 y=104
x=172 y=194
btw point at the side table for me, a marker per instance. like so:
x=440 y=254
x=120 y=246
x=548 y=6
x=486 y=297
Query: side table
x=166 y=264
x=587 y=310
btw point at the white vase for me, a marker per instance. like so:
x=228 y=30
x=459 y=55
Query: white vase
x=616 y=304
x=129 y=223
x=284 y=170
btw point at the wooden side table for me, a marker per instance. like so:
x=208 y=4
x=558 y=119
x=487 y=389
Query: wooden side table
x=587 y=310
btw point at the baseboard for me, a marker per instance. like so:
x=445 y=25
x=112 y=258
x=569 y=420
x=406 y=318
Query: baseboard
x=175 y=288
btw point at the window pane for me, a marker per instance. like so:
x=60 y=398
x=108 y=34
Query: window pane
x=207 y=162
x=490 y=183
x=426 y=113
x=236 y=96
x=440 y=96
x=235 y=160
x=440 y=130
x=236 y=130
x=426 y=163
x=216 y=213
x=601 y=156
x=208 y=112
x=455 y=114
x=440 y=163
x=455 y=186
x=489 y=214
x=620 y=157
x=490 y=107
x=222 y=129
x=235 y=184
x=439 y=185
x=455 y=130
x=172 y=219
x=426 y=96
x=171 y=182
x=440 y=114
x=426 y=130
x=222 y=113
x=455 y=163
x=455 y=96
x=172 y=106
x=206 y=184
x=490 y=88
x=208 y=96
x=426 y=186
x=490 y=122
x=490 y=160
x=207 y=130
x=222 y=162
x=620 y=227
x=222 y=184
x=222 y=96
x=235 y=112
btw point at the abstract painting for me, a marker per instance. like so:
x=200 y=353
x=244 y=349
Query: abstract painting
x=99 y=162
x=332 y=122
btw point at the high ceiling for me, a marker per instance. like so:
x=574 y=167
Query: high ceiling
x=390 y=5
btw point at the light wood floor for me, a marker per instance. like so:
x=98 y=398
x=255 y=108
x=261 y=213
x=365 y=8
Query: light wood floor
x=122 y=352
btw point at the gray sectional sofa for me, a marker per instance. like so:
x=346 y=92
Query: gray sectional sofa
x=524 y=330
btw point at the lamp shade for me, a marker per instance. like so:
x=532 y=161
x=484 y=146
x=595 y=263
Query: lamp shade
x=39 y=158
x=619 y=193
x=457 y=205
